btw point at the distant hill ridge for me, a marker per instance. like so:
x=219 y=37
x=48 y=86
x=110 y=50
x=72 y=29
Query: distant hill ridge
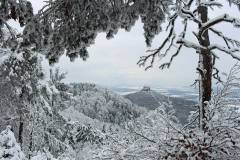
x=151 y=99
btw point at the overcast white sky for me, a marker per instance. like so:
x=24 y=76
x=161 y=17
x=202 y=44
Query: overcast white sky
x=112 y=62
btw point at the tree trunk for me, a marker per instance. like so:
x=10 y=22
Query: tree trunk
x=30 y=148
x=20 y=131
x=205 y=69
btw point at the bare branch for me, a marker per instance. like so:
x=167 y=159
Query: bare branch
x=227 y=40
x=183 y=34
x=190 y=15
x=216 y=74
x=144 y=137
x=231 y=52
x=143 y=60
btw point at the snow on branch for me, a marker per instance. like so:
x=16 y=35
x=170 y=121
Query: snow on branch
x=169 y=39
x=189 y=44
x=188 y=12
x=232 y=52
x=212 y=3
x=9 y=148
x=190 y=15
x=226 y=39
x=219 y=19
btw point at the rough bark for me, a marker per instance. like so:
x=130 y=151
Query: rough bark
x=205 y=65
x=20 y=132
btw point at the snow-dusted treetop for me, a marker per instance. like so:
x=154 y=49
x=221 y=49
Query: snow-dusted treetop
x=71 y=26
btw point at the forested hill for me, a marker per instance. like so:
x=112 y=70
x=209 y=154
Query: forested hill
x=151 y=99
x=102 y=104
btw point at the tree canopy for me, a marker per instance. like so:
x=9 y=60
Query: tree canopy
x=69 y=27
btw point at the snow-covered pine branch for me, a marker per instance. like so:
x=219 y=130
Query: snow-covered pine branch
x=70 y=27
x=20 y=11
x=9 y=148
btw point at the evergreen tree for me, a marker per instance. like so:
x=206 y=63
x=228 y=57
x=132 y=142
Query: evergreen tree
x=20 y=73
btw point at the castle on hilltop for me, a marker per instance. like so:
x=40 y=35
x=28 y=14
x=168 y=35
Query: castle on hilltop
x=146 y=89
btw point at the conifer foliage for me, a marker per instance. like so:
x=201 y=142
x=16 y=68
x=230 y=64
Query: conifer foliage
x=72 y=26
x=9 y=148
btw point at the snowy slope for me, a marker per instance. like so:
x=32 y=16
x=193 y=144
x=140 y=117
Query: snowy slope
x=73 y=115
x=102 y=104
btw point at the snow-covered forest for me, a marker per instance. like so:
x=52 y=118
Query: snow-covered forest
x=42 y=117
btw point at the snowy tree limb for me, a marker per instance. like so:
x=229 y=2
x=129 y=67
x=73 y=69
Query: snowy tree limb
x=183 y=34
x=232 y=52
x=226 y=39
x=143 y=60
x=219 y=19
